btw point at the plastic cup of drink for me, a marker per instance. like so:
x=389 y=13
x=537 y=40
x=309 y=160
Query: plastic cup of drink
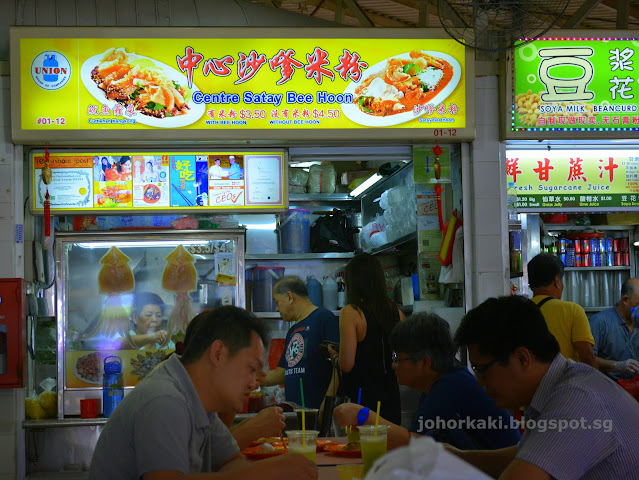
x=304 y=442
x=373 y=443
x=352 y=434
x=89 y=408
x=350 y=472
x=310 y=420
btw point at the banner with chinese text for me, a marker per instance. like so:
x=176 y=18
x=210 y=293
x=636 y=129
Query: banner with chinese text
x=214 y=85
x=574 y=179
x=103 y=183
x=575 y=84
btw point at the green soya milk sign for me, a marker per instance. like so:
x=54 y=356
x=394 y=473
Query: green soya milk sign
x=587 y=84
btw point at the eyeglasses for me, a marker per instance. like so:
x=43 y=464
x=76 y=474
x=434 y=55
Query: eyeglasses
x=480 y=371
x=396 y=359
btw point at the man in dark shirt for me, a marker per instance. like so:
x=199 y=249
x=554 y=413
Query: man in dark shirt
x=453 y=408
x=302 y=357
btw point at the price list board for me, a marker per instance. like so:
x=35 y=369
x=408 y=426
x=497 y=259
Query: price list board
x=554 y=180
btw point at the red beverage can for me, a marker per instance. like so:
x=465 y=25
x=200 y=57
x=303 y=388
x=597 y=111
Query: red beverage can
x=618 y=258
x=624 y=244
x=586 y=262
x=616 y=245
x=585 y=246
x=626 y=258
x=577 y=244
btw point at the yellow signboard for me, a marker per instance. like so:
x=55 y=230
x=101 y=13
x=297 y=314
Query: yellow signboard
x=103 y=183
x=218 y=85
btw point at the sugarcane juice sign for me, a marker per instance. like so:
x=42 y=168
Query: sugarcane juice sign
x=576 y=85
x=588 y=179
x=220 y=85
x=103 y=183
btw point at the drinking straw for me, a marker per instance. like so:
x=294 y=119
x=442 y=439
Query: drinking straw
x=359 y=396
x=379 y=404
x=303 y=413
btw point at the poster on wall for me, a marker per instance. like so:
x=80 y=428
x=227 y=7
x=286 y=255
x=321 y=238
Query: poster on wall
x=574 y=179
x=138 y=182
x=575 y=83
x=179 y=88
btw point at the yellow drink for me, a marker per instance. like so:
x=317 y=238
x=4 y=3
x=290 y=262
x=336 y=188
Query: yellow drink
x=353 y=435
x=372 y=449
x=309 y=451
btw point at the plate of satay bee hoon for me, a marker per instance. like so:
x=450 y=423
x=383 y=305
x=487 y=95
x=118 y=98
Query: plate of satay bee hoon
x=392 y=91
x=158 y=94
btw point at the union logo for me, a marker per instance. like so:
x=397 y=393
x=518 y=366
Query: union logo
x=51 y=70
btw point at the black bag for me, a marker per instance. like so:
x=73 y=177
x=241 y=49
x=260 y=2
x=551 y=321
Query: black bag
x=329 y=233
x=328 y=426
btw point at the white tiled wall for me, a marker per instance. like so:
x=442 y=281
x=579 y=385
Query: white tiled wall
x=10 y=400
x=488 y=190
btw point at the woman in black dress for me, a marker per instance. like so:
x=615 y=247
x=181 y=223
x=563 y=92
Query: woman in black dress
x=365 y=324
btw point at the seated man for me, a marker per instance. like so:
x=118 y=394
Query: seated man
x=579 y=423
x=616 y=341
x=424 y=359
x=168 y=428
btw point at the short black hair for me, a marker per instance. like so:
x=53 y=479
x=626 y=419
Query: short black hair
x=290 y=284
x=501 y=325
x=232 y=325
x=425 y=334
x=543 y=269
x=147 y=298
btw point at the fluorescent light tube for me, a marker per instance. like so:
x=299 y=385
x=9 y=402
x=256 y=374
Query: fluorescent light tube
x=369 y=182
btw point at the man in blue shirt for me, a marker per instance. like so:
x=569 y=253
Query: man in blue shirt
x=302 y=357
x=616 y=338
x=453 y=408
x=235 y=172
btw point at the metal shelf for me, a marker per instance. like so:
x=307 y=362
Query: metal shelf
x=597 y=309
x=277 y=316
x=564 y=226
x=400 y=241
x=586 y=269
x=320 y=197
x=298 y=256
x=63 y=422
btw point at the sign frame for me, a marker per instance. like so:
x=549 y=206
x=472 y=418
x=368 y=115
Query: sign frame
x=281 y=207
x=576 y=134
x=566 y=151
x=238 y=136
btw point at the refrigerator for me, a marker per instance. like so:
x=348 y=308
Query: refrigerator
x=132 y=295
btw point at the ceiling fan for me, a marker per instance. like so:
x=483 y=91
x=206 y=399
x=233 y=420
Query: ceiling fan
x=492 y=25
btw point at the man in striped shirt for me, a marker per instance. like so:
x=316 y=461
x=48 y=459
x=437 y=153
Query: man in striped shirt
x=579 y=423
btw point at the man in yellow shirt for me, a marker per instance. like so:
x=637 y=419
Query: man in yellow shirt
x=567 y=321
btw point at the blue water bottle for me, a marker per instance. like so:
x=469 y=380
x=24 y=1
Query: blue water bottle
x=314 y=288
x=50 y=63
x=113 y=388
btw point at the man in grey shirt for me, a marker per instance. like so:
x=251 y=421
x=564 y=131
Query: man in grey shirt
x=167 y=427
x=579 y=423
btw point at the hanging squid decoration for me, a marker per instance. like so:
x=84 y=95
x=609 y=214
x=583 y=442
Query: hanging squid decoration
x=437 y=167
x=180 y=277
x=114 y=279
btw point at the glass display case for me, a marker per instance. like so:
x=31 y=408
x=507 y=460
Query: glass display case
x=132 y=295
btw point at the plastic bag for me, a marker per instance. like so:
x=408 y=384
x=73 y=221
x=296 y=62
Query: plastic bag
x=631 y=386
x=329 y=233
x=297 y=179
x=370 y=237
x=321 y=179
x=45 y=405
